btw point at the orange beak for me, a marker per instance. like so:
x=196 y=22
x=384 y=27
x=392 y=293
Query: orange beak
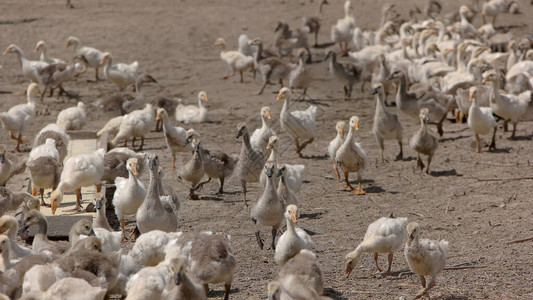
x=485 y=80
x=356 y=126
x=341 y=132
x=6 y=51
x=54 y=207
x=348 y=271
x=205 y=98
x=36 y=48
x=471 y=97
x=102 y=60
x=279 y=97
x=267 y=114
x=294 y=217
x=68 y=44
x=135 y=170
x=270 y=145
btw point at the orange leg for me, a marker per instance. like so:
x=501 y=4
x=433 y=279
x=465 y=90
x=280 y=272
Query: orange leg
x=378 y=269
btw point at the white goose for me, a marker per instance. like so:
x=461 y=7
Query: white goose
x=136 y=124
x=120 y=74
x=342 y=31
x=193 y=114
x=19 y=117
x=175 y=136
x=92 y=55
x=235 y=60
x=29 y=67
x=480 y=120
x=72 y=118
x=335 y=144
x=298 y=124
x=259 y=139
x=293 y=240
x=351 y=157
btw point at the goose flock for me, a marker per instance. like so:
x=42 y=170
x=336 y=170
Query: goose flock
x=432 y=68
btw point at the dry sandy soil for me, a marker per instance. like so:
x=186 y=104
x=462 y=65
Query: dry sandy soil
x=172 y=40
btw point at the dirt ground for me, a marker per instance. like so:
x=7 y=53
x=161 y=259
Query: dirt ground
x=173 y=41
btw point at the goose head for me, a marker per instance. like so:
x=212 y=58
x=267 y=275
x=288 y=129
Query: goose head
x=4 y=244
x=40 y=44
x=220 y=42
x=413 y=232
x=83 y=226
x=190 y=136
x=55 y=199
x=2 y=154
x=12 y=49
x=153 y=161
x=274 y=290
x=106 y=58
x=92 y=243
x=490 y=75
x=255 y=42
x=282 y=169
x=396 y=74
x=33 y=203
x=377 y=88
x=8 y=222
x=291 y=213
x=241 y=130
x=351 y=260
x=265 y=112
x=132 y=165
x=5 y=194
x=284 y=93
x=269 y=169
x=161 y=114
x=424 y=115
x=72 y=41
x=178 y=266
x=33 y=90
x=340 y=128
x=354 y=122
x=272 y=142
x=31 y=218
x=202 y=96
x=463 y=10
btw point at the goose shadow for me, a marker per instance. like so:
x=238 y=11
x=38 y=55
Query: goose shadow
x=211 y=198
x=500 y=150
x=317 y=157
x=455 y=138
x=324 y=45
x=334 y=294
x=522 y=138
x=220 y=293
x=316 y=215
x=451 y=172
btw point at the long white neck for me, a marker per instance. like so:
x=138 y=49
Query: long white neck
x=200 y=102
x=5 y=263
x=290 y=227
x=273 y=155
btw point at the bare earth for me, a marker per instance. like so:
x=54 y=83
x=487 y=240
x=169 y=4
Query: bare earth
x=172 y=40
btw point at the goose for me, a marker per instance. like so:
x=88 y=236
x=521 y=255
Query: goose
x=45 y=173
x=386 y=124
x=463 y=102
x=268 y=211
x=211 y=260
x=72 y=118
x=299 y=76
x=5 y=255
x=193 y=170
x=293 y=239
x=116 y=160
x=424 y=257
x=235 y=60
x=508 y=106
x=182 y=286
x=29 y=67
x=335 y=144
x=136 y=124
x=111 y=127
x=286 y=195
x=19 y=117
x=342 y=31
x=40 y=277
x=55 y=132
x=154 y=214
x=120 y=74
x=54 y=75
x=298 y=124
x=271 y=68
x=259 y=139
x=43 y=56
x=48 y=149
x=346 y=74
x=125 y=102
x=129 y=194
x=481 y=121
x=69 y=288
x=79 y=171
x=299 y=278
x=250 y=163
x=294 y=173
x=193 y=114
x=423 y=141
x=492 y=9
x=150 y=248
x=313 y=23
x=217 y=164
x=82 y=227
x=9 y=167
x=10 y=201
x=40 y=241
x=385 y=235
x=92 y=56
x=175 y=137
x=409 y=104
x=351 y=157
x=466 y=28
x=10 y=227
